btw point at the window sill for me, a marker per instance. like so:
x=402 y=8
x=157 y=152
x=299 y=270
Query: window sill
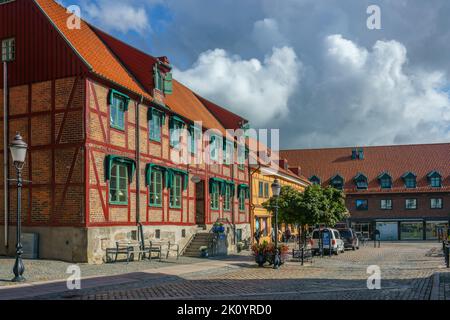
x=118 y=129
x=154 y=206
x=118 y=204
x=175 y=208
x=155 y=141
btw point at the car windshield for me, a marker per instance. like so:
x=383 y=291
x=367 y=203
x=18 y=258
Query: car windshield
x=345 y=233
x=325 y=234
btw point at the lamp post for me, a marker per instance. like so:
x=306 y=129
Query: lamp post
x=18 y=152
x=276 y=189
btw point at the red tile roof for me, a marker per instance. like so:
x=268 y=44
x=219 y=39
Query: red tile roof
x=131 y=68
x=228 y=119
x=419 y=159
x=90 y=48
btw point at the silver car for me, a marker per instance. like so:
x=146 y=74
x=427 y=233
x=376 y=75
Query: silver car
x=330 y=238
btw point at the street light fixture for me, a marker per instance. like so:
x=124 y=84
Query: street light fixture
x=276 y=189
x=18 y=150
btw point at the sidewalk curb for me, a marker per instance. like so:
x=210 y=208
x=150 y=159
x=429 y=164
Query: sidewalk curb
x=434 y=295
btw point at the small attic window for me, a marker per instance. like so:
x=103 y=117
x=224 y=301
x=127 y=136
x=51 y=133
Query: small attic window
x=337 y=182
x=435 y=179
x=163 y=80
x=361 y=181
x=8 y=49
x=314 y=180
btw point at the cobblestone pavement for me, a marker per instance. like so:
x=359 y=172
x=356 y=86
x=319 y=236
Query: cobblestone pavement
x=47 y=270
x=406 y=273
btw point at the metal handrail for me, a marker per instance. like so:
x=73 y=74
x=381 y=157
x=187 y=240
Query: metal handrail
x=187 y=244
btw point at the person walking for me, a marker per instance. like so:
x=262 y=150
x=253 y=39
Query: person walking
x=287 y=235
x=376 y=238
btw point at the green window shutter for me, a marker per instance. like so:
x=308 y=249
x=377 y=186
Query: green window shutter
x=244 y=190
x=148 y=171
x=168 y=88
x=130 y=163
x=116 y=94
x=170 y=175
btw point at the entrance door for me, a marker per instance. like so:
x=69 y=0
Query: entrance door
x=388 y=230
x=200 y=203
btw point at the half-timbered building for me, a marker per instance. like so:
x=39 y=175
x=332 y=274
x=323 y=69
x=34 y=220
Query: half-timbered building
x=107 y=152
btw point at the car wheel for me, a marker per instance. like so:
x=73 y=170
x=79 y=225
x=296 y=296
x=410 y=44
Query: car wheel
x=357 y=248
x=336 y=252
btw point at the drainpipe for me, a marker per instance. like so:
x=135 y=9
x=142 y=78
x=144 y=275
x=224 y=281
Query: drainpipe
x=138 y=175
x=5 y=149
x=233 y=211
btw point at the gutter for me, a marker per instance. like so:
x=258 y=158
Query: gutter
x=5 y=152
x=138 y=174
x=252 y=206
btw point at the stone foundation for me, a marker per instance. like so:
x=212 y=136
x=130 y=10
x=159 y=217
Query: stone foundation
x=89 y=245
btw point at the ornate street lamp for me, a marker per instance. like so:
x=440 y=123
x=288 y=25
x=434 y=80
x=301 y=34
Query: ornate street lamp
x=276 y=189
x=18 y=152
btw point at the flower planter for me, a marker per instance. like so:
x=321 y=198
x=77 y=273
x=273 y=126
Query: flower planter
x=260 y=259
x=219 y=229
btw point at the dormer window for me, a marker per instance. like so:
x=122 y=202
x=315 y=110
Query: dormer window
x=163 y=80
x=435 y=179
x=337 y=182
x=361 y=181
x=410 y=180
x=314 y=180
x=385 y=180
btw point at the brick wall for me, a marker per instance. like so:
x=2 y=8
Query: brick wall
x=49 y=116
x=398 y=206
x=103 y=140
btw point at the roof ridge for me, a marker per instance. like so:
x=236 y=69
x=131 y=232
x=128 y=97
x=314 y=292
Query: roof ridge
x=366 y=147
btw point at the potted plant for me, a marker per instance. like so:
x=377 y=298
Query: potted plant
x=270 y=253
x=204 y=252
x=218 y=228
x=260 y=253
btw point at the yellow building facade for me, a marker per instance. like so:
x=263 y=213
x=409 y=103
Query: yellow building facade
x=261 y=180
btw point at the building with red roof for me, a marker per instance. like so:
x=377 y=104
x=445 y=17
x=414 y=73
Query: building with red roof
x=107 y=157
x=401 y=190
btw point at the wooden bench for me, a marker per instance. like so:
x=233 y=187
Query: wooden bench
x=126 y=247
x=304 y=254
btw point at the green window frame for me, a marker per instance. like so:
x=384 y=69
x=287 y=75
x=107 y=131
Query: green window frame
x=266 y=190
x=215 y=196
x=241 y=157
x=227 y=198
x=158 y=78
x=229 y=152
x=194 y=133
x=214 y=148
x=176 y=125
x=436 y=182
x=156 y=188
x=154 y=124
x=175 y=199
x=118 y=184
x=242 y=197
x=118 y=106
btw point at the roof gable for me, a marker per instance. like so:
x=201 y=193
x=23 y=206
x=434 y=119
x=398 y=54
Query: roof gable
x=90 y=48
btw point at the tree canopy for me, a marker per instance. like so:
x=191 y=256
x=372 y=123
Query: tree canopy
x=315 y=205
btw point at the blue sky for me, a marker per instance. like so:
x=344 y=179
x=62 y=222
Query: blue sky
x=310 y=67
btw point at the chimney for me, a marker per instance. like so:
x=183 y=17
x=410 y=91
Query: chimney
x=283 y=163
x=296 y=170
x=361 y=154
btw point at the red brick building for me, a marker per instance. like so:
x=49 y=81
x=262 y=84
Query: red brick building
x=101 y=118
x=403 y=191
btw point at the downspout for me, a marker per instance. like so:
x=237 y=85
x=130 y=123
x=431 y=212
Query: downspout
x=233 y=211
x=138 y=175
x=5 y=150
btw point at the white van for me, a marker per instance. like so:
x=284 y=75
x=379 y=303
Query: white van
x=337 y=244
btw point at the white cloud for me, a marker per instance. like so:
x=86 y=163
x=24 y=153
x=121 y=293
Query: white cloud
x=374 y=97
x=116 y=16
x=257 y=90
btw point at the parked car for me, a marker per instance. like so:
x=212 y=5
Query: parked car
x=337 y=245
x=350 y=238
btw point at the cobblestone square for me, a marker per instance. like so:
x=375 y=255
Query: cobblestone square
x=407 y=273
